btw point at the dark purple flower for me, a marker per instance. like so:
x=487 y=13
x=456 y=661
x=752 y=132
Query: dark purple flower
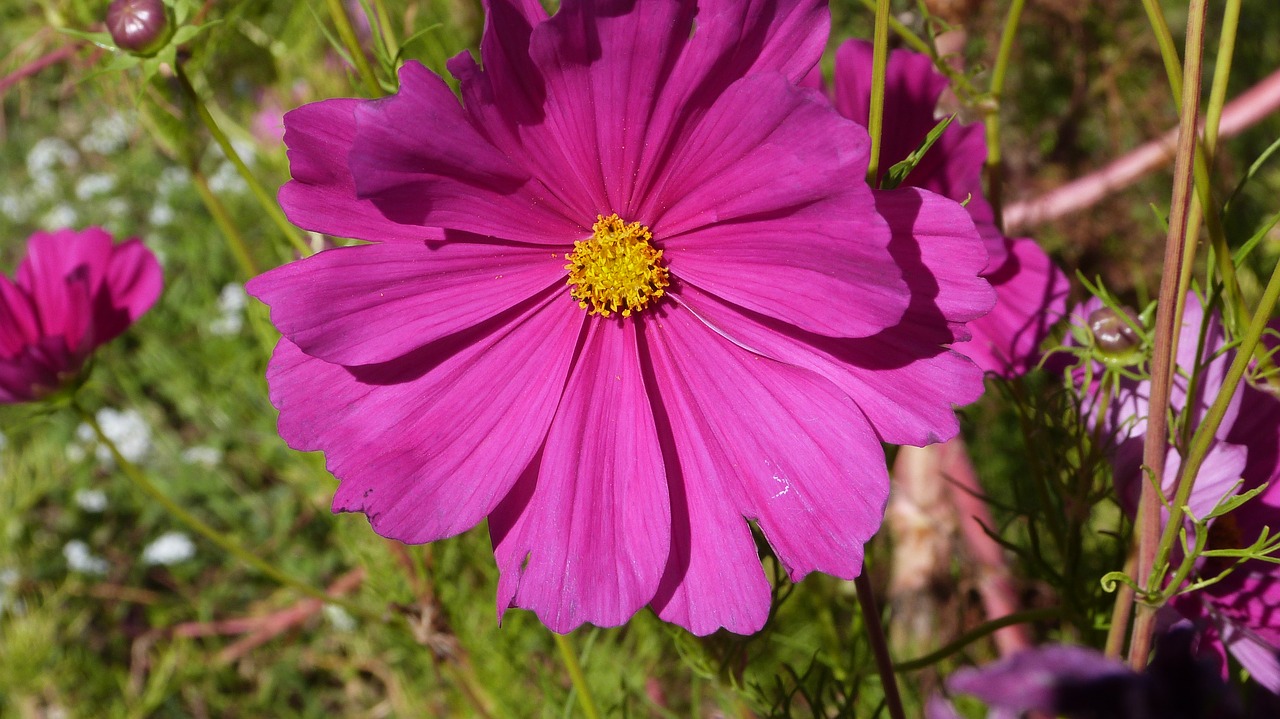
x=73 y=292
x=1081 y=683
x=141 y=27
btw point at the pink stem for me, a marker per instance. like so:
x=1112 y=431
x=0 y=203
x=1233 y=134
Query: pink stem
x=37 y=65
x=995 y=584
x=1241 y=113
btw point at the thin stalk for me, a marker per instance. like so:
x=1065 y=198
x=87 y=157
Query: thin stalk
x=1204 y=435
x=914 y=41
x=995 y=189
x=1221 y=256
x=348 y=35
x=979 y=632
x=239 y=250
x=879 y=647
x=224 y=542
x=266 y=200
x=1221 y=72
x=1155 y=442
x=570 y=658
x=879 y=67
x=1120 y=614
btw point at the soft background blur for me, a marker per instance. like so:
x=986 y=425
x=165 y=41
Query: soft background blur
x=110 y=607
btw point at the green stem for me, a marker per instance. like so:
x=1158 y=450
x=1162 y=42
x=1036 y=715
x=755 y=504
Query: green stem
x=879 y=67
x=995 y=188
x=879 y=647
x=197 y=525
x=265 y=199
x=979 y=632
x=1150 y=569
x=348 y=35
x=570 y=658
x=222 y=218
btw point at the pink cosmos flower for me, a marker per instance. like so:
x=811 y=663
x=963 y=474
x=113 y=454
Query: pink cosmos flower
x=1242 y=612
x=72 y=292
x=621 y=301
x=1031 y=291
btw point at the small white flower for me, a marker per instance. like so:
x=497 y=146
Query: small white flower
x=91 y=500
x=161 y=214
x=128 y=431
x=171 y=179
x=168 y=549
x=92 y=185
x=108 y=134
x=205 y=456
x=59 y=216
x=80 y=559
x=231 y=303
x=49 y=152
x=339 y=618
x=226 y=179
x=17 y=206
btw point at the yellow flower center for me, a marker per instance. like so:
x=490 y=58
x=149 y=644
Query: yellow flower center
x=617 y=270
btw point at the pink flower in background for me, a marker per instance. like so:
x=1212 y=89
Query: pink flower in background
x=1242 y=612
x=1031 y=291
x=72 y=292
x=620 y=301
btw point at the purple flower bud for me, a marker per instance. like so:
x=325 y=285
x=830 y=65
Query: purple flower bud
x=141 y=27
x=1112 y=333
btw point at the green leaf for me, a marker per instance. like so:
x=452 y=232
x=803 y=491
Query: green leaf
x=186 y=32
x=898 y=173
x=101 y=39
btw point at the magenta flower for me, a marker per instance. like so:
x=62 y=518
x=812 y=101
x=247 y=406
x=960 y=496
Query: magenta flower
x=1031 y=292
x=621 y=301
x=72 y=292
x=1240 y=612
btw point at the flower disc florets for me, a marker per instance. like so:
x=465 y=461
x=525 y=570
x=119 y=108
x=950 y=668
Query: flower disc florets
x=617 y=270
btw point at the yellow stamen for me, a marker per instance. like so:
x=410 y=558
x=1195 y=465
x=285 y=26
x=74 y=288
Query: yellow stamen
x=617 y=270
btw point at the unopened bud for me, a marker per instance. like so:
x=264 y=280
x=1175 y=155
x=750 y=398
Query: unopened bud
x=1112 y=333
x=141 y=27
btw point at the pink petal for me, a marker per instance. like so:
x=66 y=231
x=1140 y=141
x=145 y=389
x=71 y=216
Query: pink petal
x=322 y=195
x=18 y=323
x=815 y=481
x=373 y=303
x=1031 y=297
x=906 y=385
x=132 y=285
x=902 y=377
x=428 y=444
x=605 y=65
x=585 y=536
x=451 y=177
x=953 y=166
x=1260 y=658
x=61 y=272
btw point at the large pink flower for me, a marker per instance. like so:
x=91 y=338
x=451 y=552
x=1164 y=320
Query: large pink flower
x=622 y=300
x=1031 y=291
x=72 y=292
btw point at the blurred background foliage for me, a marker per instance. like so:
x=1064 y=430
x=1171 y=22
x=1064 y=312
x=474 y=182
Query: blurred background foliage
x=95 y=620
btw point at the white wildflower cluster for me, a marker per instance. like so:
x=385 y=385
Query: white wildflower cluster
x=108 y=134
x=59 y=216
x=80 y=559
x=172 y=179
x=93 y=501
x=125 y=428
x=203 y=456
x=47 y=154
x=232 y=301
x=17 y=206
x=168 y=549
x=94 y=184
